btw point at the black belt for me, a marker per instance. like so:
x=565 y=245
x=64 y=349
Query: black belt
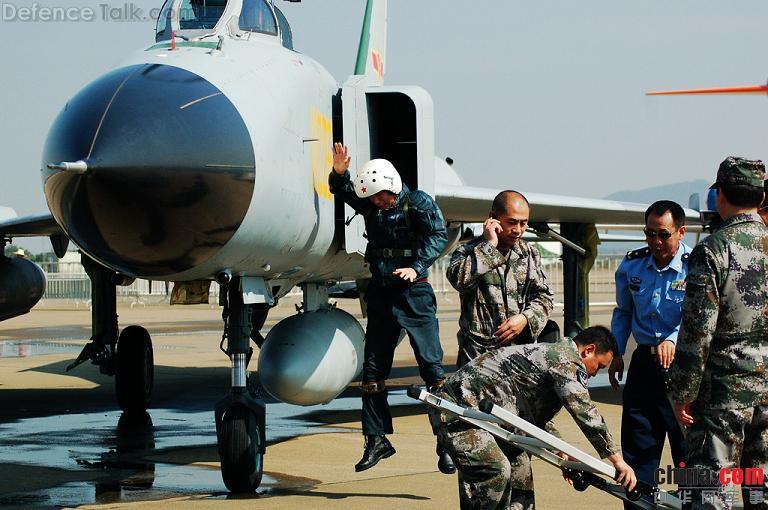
x=389 y=253
x=652 y=348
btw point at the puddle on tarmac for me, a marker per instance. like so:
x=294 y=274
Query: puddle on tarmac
x=40 y=348
x=121 y=452
x=24 y=349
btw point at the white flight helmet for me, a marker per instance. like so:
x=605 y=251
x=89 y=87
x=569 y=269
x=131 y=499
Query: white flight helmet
x=375 y=176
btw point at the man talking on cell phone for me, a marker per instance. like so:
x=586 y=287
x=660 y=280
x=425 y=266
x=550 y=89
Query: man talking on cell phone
x=503 y=290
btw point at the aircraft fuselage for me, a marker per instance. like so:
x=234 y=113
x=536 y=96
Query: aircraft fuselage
x=202 y=159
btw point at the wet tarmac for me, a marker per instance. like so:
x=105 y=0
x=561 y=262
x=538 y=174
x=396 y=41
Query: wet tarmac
x=112 y=457
x=29 y=348
x=40 y=348
x=116 y=457
x=63 y=444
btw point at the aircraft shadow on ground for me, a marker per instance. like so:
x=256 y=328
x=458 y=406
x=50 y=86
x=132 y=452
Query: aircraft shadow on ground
x=189 y=388
x=606 y=395
x=344 y=495
x=353 y=415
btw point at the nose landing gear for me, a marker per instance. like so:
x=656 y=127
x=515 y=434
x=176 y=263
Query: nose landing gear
x=241 y=415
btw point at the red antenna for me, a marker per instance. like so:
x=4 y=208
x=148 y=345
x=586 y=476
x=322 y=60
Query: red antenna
x=746 y=89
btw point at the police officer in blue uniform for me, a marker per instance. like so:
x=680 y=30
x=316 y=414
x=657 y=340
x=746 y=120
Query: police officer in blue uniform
x=650 y=287
x=406 y=233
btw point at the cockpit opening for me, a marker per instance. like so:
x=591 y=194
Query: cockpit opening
x=164 y=22
x=260 y=16
x=200 y=14
x=256 y=16
x=286 y=35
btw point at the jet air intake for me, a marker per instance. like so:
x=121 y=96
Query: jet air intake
x=149 y=169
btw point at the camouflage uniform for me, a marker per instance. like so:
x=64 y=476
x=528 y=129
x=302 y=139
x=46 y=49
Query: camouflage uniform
x=722 y=349
x=477 y=270
x=533 y=381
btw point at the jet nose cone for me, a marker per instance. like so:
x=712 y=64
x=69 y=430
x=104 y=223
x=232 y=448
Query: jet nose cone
x=170 y=170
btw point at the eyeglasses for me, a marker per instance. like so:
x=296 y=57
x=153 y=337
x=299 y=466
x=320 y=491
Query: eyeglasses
x=663 y=234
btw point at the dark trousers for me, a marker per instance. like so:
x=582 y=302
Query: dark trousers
x=647 y=417
x=390 y=309
x=730 y=438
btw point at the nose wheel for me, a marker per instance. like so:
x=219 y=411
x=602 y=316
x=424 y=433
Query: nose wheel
x=241 y=448
x=134 y=369
x=241 y=415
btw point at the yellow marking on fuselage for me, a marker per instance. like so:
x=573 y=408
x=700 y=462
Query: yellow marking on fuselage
x=320 y=156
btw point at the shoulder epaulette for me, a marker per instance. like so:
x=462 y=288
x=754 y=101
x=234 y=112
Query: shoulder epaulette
x=638 y=253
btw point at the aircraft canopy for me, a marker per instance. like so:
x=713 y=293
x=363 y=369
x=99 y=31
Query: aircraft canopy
x=204 y=15
x=200 y=14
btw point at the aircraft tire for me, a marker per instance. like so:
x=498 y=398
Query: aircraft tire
x=240 y=450
x=134 y=369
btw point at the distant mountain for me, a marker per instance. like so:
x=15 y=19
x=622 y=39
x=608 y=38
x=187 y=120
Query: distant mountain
x=678 y=192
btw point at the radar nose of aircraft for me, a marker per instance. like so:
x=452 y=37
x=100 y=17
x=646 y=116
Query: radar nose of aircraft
x=128 y=178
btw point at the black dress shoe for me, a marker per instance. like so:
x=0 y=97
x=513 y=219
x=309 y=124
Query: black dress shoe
x=376 y=448
x=445 y=462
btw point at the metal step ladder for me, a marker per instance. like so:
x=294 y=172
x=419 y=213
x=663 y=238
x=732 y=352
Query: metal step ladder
x=584 y=471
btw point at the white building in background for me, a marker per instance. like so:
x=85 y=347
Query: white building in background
x=69 y=264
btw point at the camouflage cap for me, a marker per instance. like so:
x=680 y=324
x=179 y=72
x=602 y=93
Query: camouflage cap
x=740 y=171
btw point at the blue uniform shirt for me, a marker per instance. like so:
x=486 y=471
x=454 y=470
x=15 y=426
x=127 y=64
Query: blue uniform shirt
x=649 y=300
x=420 y=228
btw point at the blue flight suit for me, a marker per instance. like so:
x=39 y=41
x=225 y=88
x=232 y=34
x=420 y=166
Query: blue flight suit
x=411 y=234
x=649 y=305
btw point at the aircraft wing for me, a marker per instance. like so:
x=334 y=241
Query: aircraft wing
x=30 y=226
x=470 y=204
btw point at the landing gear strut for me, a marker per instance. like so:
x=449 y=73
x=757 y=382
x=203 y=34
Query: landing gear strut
x=128 y=356
x=240 y=416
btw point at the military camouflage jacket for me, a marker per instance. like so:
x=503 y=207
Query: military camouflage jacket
x=477 y=270
x=722 y=348
x=418 y=227
x=533 y=381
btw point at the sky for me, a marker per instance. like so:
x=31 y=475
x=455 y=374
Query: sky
x=541 y=96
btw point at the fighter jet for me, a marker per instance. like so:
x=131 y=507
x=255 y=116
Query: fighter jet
x=206 y=157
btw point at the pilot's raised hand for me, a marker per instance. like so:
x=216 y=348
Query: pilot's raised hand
x=341 y=158
x=491 y=230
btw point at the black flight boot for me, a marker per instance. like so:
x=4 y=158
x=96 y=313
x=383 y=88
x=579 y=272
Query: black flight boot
x=376 y=448
x=445 y=462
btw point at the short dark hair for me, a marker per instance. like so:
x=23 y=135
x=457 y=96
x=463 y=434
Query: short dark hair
x=502 y=200
x=661 y=207
x=741 y=195
x=600 y=336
